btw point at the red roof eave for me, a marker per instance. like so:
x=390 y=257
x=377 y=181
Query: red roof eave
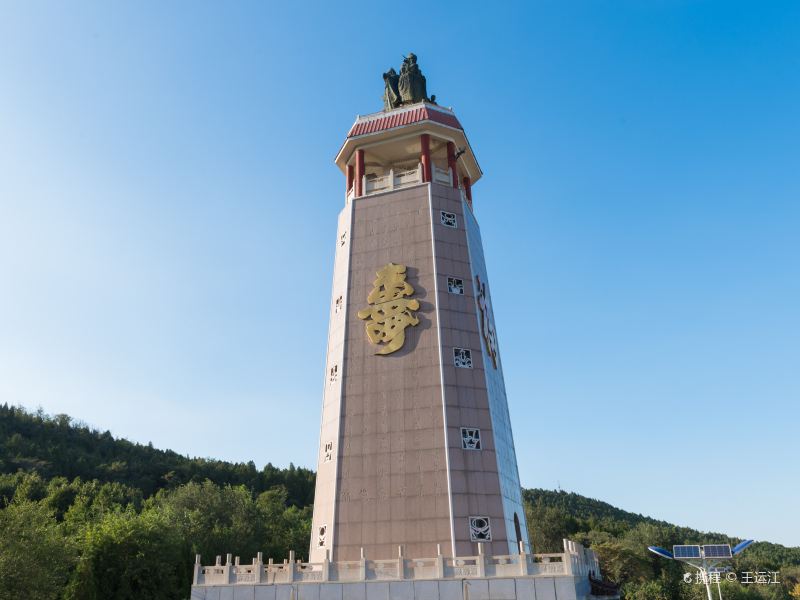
x=390 y=121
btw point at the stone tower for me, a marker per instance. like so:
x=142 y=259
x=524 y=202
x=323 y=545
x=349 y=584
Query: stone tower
x=416 y=447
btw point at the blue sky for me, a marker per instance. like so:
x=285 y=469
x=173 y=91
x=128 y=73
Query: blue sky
x=168 y=212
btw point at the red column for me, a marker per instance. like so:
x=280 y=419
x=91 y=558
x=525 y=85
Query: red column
x=350 y=177
x=451 y=162
x=468 y=189
x=359 y=172
x=425 y=156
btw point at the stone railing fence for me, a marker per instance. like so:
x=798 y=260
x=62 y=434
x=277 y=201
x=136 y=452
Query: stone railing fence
x=574 y=561
x=393 y=179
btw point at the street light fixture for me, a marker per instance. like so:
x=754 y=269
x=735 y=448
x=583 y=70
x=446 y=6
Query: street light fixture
x=702 y=558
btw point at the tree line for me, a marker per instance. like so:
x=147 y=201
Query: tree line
x=57 y=446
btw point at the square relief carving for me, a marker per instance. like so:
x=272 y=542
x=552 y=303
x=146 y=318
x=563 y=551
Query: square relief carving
x=480 y=529
x=455 y=286
x=470 y=438
x=462 y=358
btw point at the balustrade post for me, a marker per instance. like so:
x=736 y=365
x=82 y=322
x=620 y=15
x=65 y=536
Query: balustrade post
x=567 y=561
x=481 y=561
x=362 y=567
x=258 y=567
x=401 y=563
x=523 y=559
x=292 y=566
x=439 y=562
x=326 y=565
x=197 y=569
x=391 y=179
x=230 y=572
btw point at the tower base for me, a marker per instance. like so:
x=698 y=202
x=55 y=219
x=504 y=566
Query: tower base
x=479 y=588
x=561 y=576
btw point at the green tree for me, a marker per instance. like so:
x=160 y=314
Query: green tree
x=214 y=520
x=653 y=589
x=548 y=526
x=35 y=556
x=129 y=556
x=620 y=563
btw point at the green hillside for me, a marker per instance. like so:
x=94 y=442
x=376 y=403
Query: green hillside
x=58 y=447
x=621 y=538
x=86 y=516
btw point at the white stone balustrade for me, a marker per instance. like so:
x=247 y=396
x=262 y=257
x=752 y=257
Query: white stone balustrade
x=574 y=561
x=393 y=179
x=442 y=176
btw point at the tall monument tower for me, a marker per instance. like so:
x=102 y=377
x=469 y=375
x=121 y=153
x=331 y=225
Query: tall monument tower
x=416 y=447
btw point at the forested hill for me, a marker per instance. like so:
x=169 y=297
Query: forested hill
x=620 y=539
x=59 y=447
x=582 y=507
x=567 y=512
x=584 y=513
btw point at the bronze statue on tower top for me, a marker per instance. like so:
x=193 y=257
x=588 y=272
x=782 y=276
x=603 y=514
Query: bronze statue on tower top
x=409 y=87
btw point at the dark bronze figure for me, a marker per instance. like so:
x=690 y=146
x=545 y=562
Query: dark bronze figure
x=391 y=95
x=409 y=87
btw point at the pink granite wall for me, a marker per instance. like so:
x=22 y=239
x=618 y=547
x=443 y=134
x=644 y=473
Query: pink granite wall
x=392 y=475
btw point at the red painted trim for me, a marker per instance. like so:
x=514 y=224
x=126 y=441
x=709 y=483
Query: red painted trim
x=359 y=172
x=425 y=156
x=468 y=189
x=350 y=177
x=451 y=162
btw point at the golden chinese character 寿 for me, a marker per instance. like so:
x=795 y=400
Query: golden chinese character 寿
x=391 y=312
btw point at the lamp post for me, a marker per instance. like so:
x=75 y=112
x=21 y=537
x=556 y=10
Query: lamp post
x=702 y=558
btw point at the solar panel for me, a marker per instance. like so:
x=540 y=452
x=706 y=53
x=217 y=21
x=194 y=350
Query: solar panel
x=686 y=551
x=717 y=551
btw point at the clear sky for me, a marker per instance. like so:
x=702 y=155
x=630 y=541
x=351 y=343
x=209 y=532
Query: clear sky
x=168 y=210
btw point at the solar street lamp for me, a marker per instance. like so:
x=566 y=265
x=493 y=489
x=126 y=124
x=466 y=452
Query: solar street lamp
x=703 y=558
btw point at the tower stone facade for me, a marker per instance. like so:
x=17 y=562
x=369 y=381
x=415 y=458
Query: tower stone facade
x=416 y=448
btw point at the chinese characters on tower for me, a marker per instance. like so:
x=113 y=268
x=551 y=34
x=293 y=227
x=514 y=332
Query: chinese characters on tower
x=390 y=311
x=487 y=324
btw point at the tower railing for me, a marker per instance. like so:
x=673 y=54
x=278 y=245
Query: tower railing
x=575 y=561
x=394 y=179
x=391 y=180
